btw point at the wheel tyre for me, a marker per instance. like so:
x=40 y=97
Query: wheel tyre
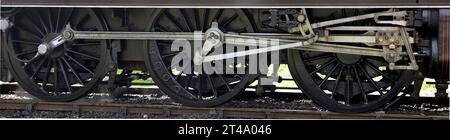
x=316 y=94
x=166 y=82
x=21 y=76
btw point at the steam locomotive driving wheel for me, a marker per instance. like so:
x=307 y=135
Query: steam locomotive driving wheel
x=63 y=72
x=345 y=82
x=196 y=88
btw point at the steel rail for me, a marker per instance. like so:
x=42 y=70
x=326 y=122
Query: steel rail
x=170 y=110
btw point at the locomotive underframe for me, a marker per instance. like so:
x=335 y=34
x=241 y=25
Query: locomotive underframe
x=407 y=35
x=128 y=33
x=287 y=41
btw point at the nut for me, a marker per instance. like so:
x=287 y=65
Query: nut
x=391 y=46
x=301 y=18
x=392 y=40
x=380 y=39
x=68 y=35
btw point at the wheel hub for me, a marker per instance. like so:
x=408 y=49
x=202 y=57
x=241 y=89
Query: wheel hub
x=348 y=59
x=46 y=48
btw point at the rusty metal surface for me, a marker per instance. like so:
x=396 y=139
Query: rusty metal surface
x=227 y=3
x=223 y=112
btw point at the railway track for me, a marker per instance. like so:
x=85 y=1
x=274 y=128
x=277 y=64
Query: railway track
x=283 y=93
x=221 y=113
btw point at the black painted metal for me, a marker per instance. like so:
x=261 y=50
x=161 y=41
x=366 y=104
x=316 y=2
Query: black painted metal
x=438 y=30
x=444 y=46
x=227 y=3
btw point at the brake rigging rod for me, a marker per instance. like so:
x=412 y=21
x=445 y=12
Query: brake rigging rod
x=363 y=17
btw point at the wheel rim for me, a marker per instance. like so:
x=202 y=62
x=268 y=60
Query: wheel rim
x=193 y=89
x=9 y=11
x=64 y=73
x=345 y=83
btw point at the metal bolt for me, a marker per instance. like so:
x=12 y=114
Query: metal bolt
x=213 y=35
x=392 y=55
x=380 y=39
x=301 y=18
x=392 y=40
x=391 y=46
x=42 y=48
x=5 y=24
x=68 y=35
x=391 y=66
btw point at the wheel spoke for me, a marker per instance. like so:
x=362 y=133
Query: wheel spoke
x=328 y=75
x=26 y=52
x=336 y=84
x=56 y=77
x=26 y=42
x=38 y=69
x=363 y=93
x=34 y=35
x=239 y=76
x=73 y=70
x=377 y=70
x=82 y=54
x=217 y=15
x=161 y=28
x=200 y=90
x=212 y=86
x=41 y=19
x=233 y=72
x=186 y=20
x=227 y=22
x=186 y=86
x=34 y=25
x=323 y=66
x=58 y=18
x=205 y=19
x=197 y=20
x=47 y=72
x=225 y=82
x=66 y=79
x=348 y=91
x=50 y=21
x=173 y=21
x=66 y=20
x=82 y=20
x=79 y=64
x=371 y=80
